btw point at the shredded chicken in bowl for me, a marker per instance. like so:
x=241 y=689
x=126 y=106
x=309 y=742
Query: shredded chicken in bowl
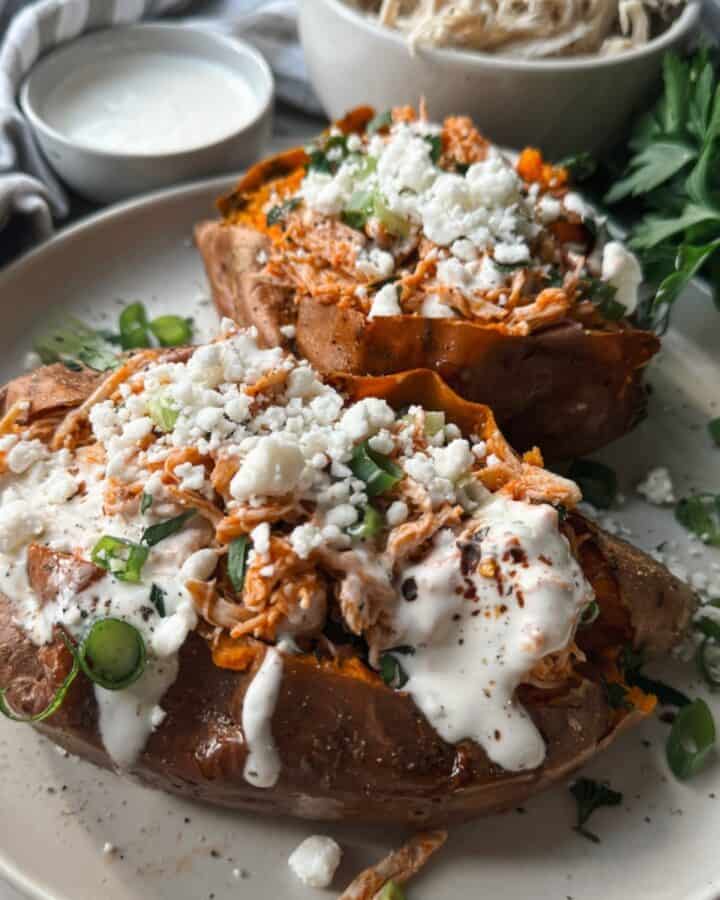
x=527 y=28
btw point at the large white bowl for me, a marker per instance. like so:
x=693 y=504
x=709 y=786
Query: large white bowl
x=561 y=105
x=106 y=176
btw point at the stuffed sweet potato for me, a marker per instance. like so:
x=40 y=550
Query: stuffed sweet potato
x=346 y=599
x=393 y=244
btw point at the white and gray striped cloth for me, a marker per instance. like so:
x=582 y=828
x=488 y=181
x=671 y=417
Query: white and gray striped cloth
x=28 y=187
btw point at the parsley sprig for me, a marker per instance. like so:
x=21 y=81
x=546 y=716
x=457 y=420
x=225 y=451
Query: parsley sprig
x=674 y=170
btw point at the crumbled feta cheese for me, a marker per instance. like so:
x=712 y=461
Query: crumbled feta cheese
x=316 y=860
x=288 y=331
x=366 y=417
x=382 y=442
x=385 y=303
x=343 y=516
x=397 y=513
x=549 y=209
x=433 y=308
x=19 y=525
x=25 y=454
x=60 y=487
x=657 y=487
x=376 y=263
x=512 y=254
x=304 y=539
x=192 y=478
x=621 y=269
x=452 y=461
x=261 y=538
x=272 y=468
x=574 y=203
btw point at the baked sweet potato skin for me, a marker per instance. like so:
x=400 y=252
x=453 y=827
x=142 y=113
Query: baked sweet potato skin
x=568 y=389
x=351 y=748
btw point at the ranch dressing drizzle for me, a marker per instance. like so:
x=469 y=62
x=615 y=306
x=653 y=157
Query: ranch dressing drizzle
x=30 y=508
x=127 y=718
x=477 y=636
x=262 y=766
x=146 y=102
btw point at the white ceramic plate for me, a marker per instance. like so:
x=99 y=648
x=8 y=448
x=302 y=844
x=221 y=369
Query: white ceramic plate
x=57 y=813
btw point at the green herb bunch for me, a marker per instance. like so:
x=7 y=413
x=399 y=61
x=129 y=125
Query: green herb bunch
x=674 y=172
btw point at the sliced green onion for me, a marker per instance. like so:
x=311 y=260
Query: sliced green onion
x=56 y=701
x=163 y=410
x=157 y=598
x=391 y=672
x=172 y=331
x=434 y=422
x=237 y=561
x=122 y=558
x=369 y=526
x=359 y=209
x=146 y=501
x=153 y=534
x=392 y=222
x=134 y=327
x=435 y=143
x=391 y=891
x=701 y=515
x=597 y=482
x=75 y=345
x=708 y=662
x=713 y=427
x=379 y=122
x=379 y=472
x=366 y=166
x=277 y=214
x=589 y=614
x=113 y=654
x=691 y=740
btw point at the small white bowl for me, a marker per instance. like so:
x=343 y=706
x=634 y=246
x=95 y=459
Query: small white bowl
x=561 y=105
x=105 y=176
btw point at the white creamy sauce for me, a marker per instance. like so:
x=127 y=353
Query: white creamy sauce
x=128 y=717
x=476 y=638
x=146 y=102
x=262 y=766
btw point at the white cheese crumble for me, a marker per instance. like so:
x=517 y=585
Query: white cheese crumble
x=315 y=860
x=385 y=303
x=621 y=269
x=657 y=487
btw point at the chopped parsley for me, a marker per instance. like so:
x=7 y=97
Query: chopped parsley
x=589 y=796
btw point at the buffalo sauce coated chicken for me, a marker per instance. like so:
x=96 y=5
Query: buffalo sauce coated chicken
x=397 y=215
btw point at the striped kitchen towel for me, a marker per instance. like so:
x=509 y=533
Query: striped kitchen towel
x=28 y=187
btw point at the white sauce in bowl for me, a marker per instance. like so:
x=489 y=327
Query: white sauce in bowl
x=150 y=102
